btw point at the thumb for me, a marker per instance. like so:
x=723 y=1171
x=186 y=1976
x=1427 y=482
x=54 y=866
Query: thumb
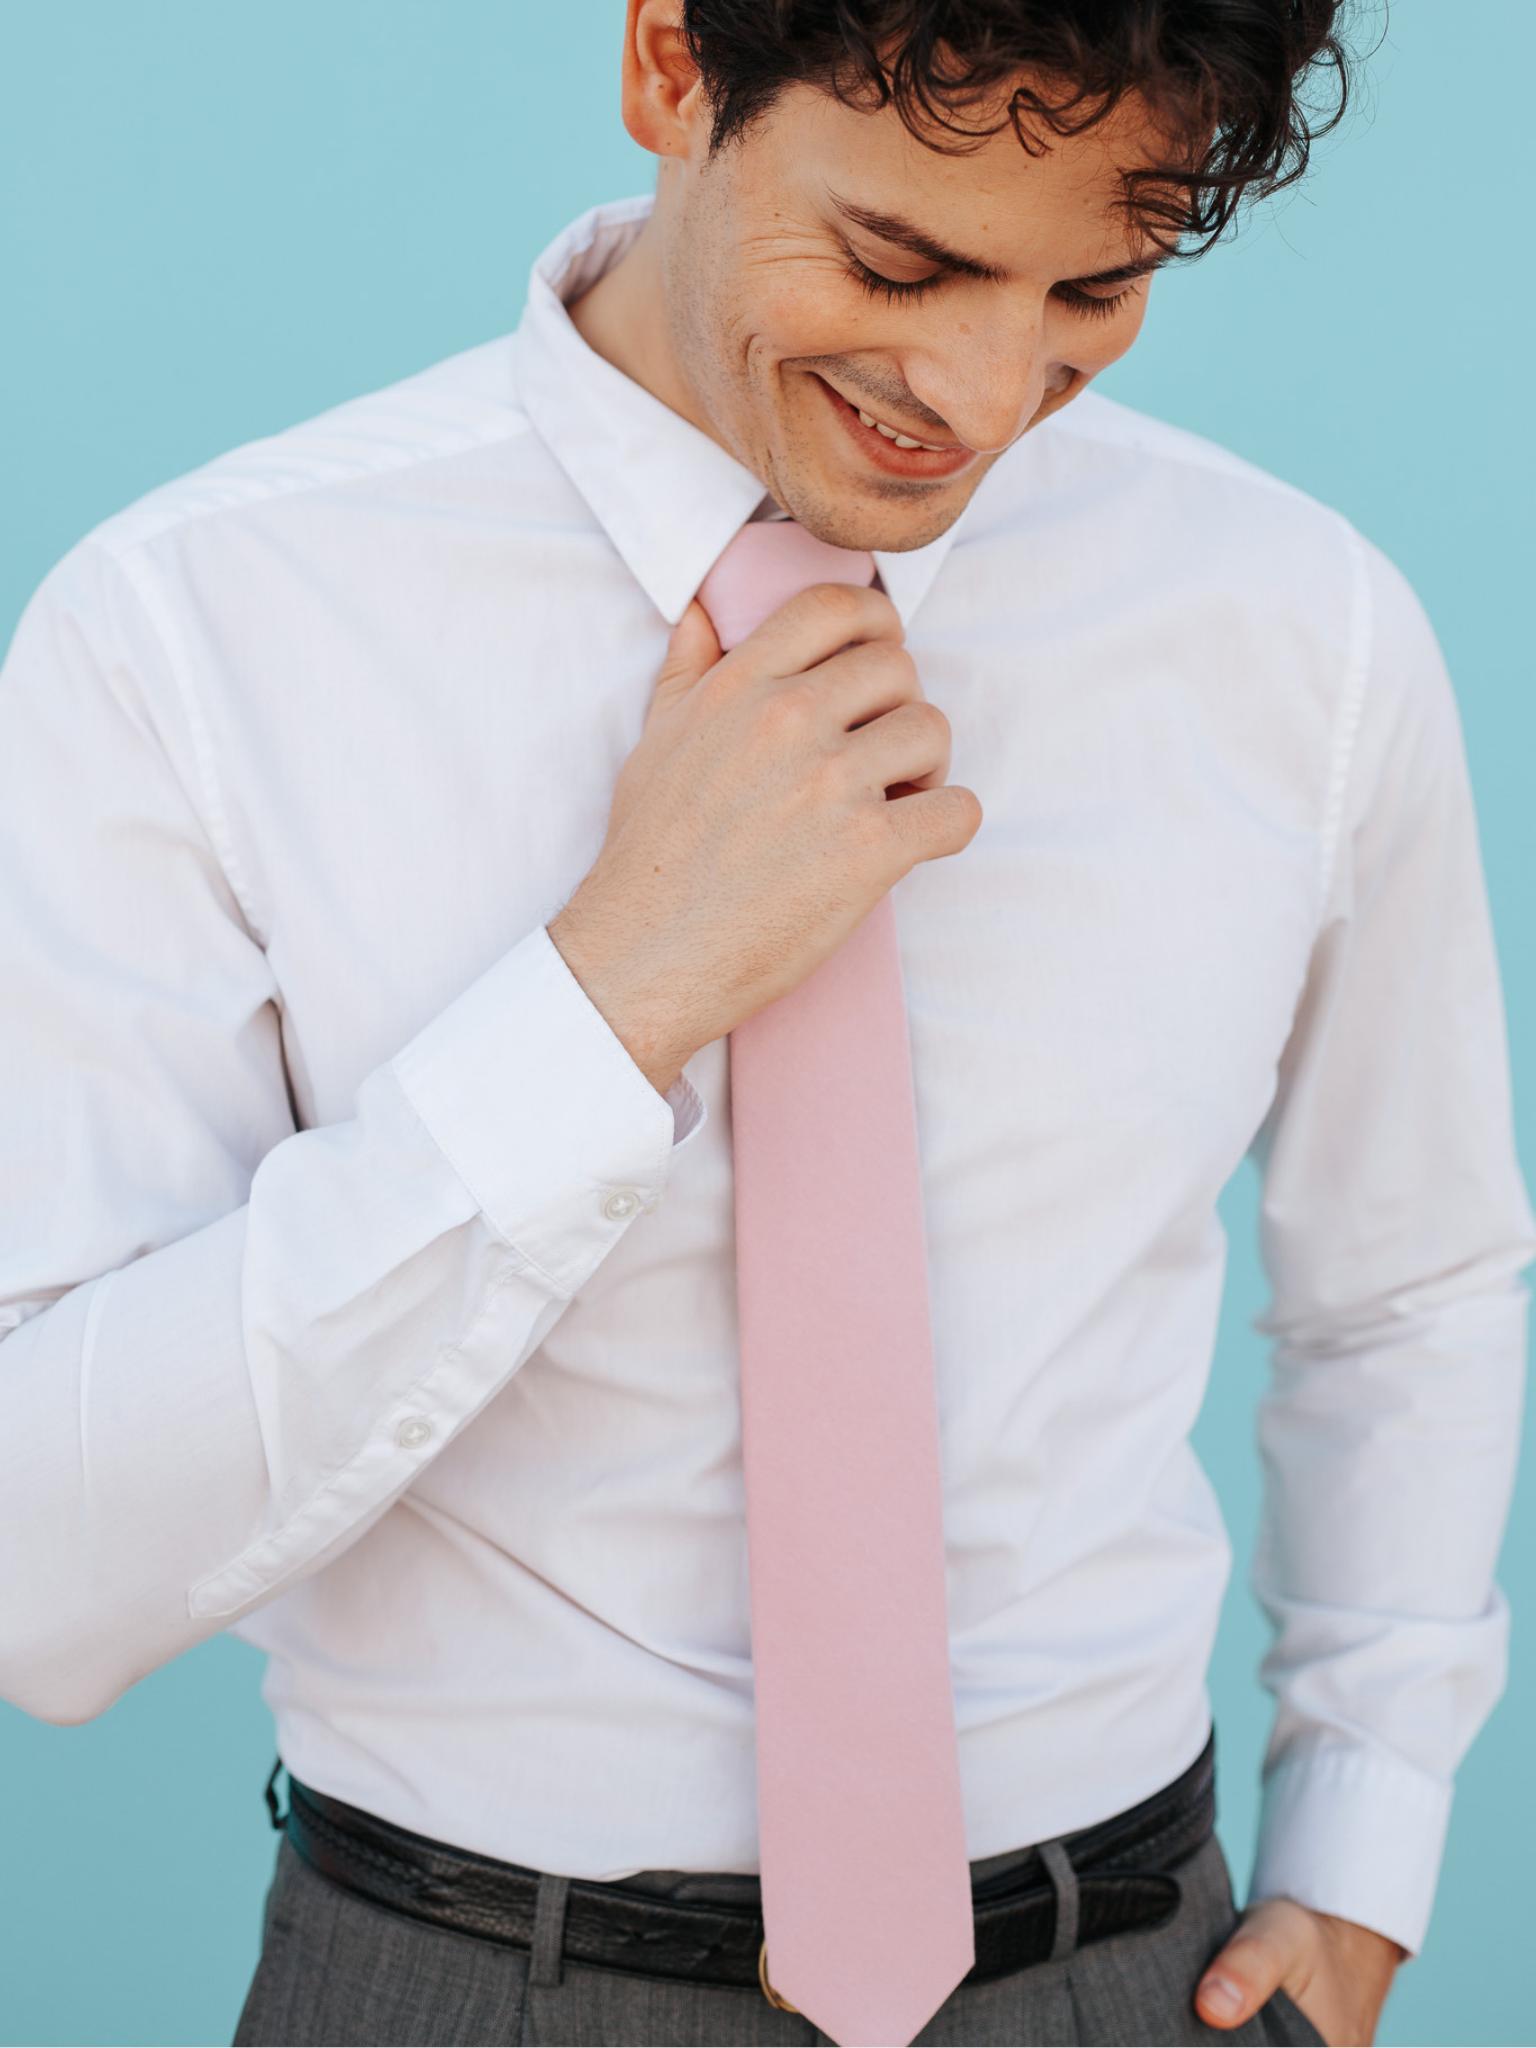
x=692 y=652
x=1250 y=1969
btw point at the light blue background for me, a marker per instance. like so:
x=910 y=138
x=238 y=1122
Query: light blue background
x=216 y=218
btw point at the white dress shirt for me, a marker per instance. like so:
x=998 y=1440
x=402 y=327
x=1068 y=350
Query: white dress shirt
x=361 y=1291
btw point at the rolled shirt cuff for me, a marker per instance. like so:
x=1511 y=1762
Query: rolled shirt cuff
x=1354 y=1832
x=542 y=1113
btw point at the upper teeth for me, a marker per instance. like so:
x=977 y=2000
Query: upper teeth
x=901 y=440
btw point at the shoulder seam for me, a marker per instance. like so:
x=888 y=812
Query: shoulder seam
x=236 y=491
x=1347 y=718
x=1190 y=451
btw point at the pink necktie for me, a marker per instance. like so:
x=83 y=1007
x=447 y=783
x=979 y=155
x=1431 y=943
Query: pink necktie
x=866 y=1888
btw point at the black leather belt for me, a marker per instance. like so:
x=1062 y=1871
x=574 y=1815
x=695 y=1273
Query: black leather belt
x=1123 y=1868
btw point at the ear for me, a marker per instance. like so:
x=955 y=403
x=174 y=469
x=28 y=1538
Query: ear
x=664 y=106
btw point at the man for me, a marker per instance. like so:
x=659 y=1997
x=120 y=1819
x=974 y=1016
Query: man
x=374 y=933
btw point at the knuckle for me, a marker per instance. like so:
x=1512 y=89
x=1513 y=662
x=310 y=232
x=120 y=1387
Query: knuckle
x=786 y=710
x=839 y=603
x=958 y=814
x=870 y=830
x=891 y=666
x=1257 y=1958
x=921 y=747
x=908 y=722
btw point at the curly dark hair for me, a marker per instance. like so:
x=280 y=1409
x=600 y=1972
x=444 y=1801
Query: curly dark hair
x=1240 y=88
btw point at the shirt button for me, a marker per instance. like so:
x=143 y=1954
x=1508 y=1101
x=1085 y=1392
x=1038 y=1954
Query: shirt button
x=413 y=1433
x=622 y=1204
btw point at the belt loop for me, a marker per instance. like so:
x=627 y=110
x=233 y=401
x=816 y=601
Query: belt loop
x=279 y=1818
x=1063 y=1878
x=548 y=1931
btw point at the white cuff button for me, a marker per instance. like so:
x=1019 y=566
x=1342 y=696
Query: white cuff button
x=413 y=1433
x=622 y=1204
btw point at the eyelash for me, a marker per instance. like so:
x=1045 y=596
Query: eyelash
x=895 y=291
x=1085 y=302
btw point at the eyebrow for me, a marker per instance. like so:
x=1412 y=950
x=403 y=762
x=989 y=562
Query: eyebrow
x=1123 y=273
x=903 y=234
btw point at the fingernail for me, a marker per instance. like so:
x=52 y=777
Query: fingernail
x=1221 y=1995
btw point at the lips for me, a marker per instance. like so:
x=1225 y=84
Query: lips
x=890 y=450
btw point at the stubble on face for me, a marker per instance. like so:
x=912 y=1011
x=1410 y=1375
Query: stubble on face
x=747 y=391
x=778 y=350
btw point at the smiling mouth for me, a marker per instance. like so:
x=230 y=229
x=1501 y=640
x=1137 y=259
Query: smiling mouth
x=891 y=449
x=901 y=440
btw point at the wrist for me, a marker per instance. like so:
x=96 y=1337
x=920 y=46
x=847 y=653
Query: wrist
x=640 y=1007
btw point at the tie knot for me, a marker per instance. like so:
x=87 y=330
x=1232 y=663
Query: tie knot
x=769 y=562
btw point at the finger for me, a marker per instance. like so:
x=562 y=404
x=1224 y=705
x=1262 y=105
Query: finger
x=864 y=682
x=815 y=624
x=908 y=745
x=692 y=652
x=1246 y=1974
x=934 y=822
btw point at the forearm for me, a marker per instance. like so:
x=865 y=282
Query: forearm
x=1389 y=1459
x=190 y=1434
x=132 y=1466
x=1395 y=1227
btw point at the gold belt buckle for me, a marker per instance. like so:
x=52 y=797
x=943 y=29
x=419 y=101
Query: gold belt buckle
x=769 y=1993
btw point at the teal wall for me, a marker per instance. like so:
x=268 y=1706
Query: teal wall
x=218 y=216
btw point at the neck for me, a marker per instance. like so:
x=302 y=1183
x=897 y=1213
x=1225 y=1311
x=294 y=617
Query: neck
x=623 y=318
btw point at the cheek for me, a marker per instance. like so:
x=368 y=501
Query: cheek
x=808 y=308
x=1088 y=344
x=1109 y=339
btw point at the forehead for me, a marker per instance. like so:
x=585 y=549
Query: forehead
x=1059 y=209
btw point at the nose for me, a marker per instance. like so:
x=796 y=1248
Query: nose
x=985 y=377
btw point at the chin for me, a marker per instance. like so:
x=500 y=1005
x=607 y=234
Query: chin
x=885 y=519
x=885 y=515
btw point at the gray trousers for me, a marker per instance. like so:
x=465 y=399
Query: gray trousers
x=335 y=1968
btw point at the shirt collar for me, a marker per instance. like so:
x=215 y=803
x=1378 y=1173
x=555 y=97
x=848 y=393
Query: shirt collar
x=669 y=498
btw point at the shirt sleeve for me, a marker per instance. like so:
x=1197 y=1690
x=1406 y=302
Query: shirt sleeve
x=1394 y=1227
x=227 y=1345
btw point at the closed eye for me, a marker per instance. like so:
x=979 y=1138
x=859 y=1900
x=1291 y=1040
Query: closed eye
x=1100 y=304
x=1094 y=304
x=893 y=290
x=907 y=291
